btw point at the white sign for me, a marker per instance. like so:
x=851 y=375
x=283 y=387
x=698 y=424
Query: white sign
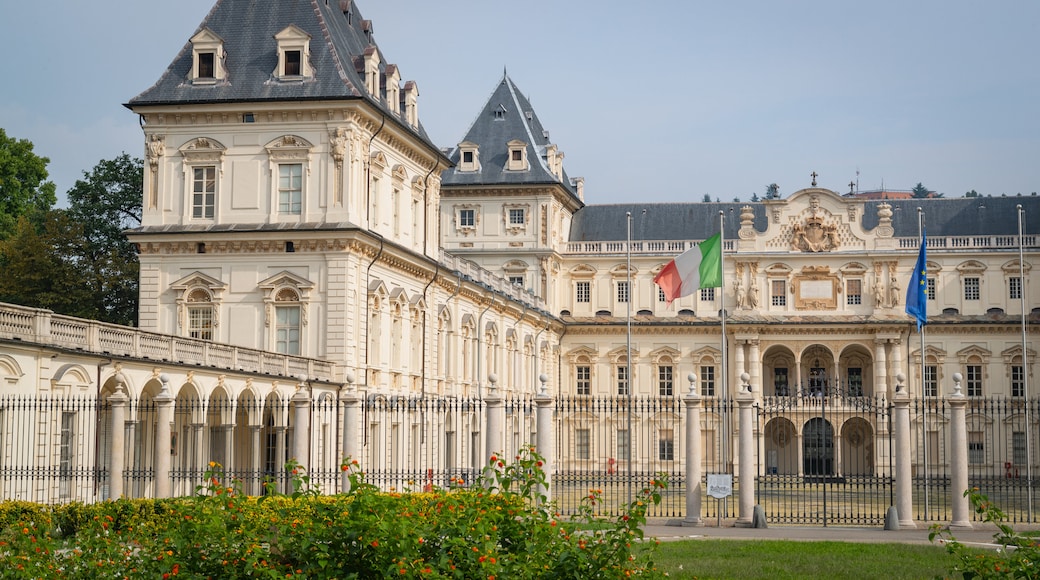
x=720 y=485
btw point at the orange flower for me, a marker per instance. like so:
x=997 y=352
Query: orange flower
x=375 y=543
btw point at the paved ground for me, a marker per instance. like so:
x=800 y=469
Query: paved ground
x=672 y=530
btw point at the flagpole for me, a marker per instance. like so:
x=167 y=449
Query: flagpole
x=722 y=316
x=628 y=343
x=1025 y=365
x=924 y=387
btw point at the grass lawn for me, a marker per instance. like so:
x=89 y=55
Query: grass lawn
x=775 y=559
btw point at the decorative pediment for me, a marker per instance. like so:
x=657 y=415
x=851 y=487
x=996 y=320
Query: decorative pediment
x=378 y=159
x=777 y=269
x=706 y=355
x=399 y=174
x=286 y=278
x=931 y=353
x=618 y=354
x=1009 y=355
x=965 y=354
x=417 y=303
x=971 y=267
x=583 y=271
x=853 y=269
x=581 y=354
x=658 y=354
x=378 y=288
x=203 y=150
x=198 y=279
x=1010 y=267
x=418 y=185
x=515 y=266
x=933 y=267
x=621 y=270
x=10 y=370
x=289 y=148
x=468 y=321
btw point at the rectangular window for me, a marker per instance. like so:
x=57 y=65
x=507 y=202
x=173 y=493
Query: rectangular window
x=622 y=380
x=1015 y=288
x=931 y=381
x=200 y=322
x=516 y=217
x=930 y=289
x=855 y=381
x=778 y=292
x=203 y=192
x=206 y=68
x=292 y=63
x=66 y=454
x=466 y=218
x=665 y=445
x=708 y=294
x=664 y=381
x=622 y=291
x=583 y=291
x=518 y=155
x=517 y=281
x=708 y=381
x=973 y=378
x=971 y=288
x=660 y=295
x=780 y=382
x=1018 y=387
x=1018 y=448
x=976 y=448
x=622 y=444
x=467 y=157
x=287 y=330
x=854 y=292
x=583 y=376
x=290 y=188
x=581 y=443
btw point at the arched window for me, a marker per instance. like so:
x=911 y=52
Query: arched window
x=200 y=314
x=288 y=321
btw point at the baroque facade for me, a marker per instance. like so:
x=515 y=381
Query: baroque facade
x=294 y=204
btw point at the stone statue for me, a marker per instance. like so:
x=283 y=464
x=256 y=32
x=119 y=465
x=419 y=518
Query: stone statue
x=752 y=295
x=894 y=292
x=879 y=295
x=738 y=291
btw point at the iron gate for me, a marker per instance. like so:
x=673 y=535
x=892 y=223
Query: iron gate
x=824 y=458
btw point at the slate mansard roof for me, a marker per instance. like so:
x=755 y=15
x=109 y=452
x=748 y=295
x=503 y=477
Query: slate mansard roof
x=697 y=221
x=339 y=36
x=507 y=116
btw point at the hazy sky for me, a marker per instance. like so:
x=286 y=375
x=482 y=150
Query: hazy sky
x=658 y=100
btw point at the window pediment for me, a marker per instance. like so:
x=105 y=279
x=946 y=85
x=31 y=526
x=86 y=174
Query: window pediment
x=289 y=148
x=971 y=267
x=378 y=159
x=287 y=278
x=203 y=150
x=583 y=271
x=293 y=54
x=199 y=280
x=469 y=156
x=965 y=354
x=207 y=58
x=1011 y=268
x=621 y=270
x=398 y=174
x=778 y=269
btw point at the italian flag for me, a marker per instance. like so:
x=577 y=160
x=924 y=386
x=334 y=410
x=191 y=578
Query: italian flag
x=696 y=268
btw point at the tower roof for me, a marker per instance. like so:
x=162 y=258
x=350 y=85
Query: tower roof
x=339 y=41
x=507 y=117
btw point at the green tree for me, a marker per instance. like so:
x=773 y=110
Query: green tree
x=36 y=265
x=707 y=198
x=24 y=189
x=971 y=193
x=106 y=202
x=920 y=191
x=772 y=191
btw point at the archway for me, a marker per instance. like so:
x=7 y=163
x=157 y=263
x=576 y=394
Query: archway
x=781 y=450
x=818 y=447
x=857 y=447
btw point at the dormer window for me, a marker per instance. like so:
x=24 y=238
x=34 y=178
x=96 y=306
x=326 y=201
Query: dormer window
x=293 y=54
x=292 y=63
x=500 y=113
x=207 y=58
x=517 y=156
x=393 y=88
x=469 y=160
x=206 y=69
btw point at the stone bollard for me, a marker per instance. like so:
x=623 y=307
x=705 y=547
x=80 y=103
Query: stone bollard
x=904 y=483
x=959 y=465
x=693 y=474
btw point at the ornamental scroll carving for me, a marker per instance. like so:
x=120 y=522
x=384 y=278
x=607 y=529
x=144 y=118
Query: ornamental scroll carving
x=814 y=235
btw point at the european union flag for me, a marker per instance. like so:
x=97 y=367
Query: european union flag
x=916 y=299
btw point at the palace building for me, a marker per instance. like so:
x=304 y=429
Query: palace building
x=294 y=205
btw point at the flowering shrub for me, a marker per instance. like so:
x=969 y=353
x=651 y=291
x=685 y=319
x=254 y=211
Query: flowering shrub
x=501 y=526
x=1017 y=557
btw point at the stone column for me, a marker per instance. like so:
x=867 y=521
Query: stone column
x=279 y=458
x=880 y=370
x=301 y=402
x=496 y=418
x=164 y=417
x=546 y=441
x=755 y=368
x=959 y=464
x=901 y=427
x=738 y=360
x=694 y=489
x=351 y=417
x=256 y=460
x=119 y=401
x=897 y=358
x=798 y=377
x=746 y=470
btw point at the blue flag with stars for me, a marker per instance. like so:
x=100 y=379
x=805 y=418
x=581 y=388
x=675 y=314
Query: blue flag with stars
x=916 y=299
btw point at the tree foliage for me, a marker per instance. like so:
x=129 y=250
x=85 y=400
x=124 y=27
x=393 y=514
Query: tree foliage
x=920 y=192
x=971 y=193
x=77 y=261
x=772 y=191
x=24 y=189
